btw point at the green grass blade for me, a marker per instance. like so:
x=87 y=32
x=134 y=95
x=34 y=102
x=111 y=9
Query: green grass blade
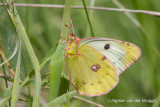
x=89 y=22
x=6 y=95
x=15 y=91
x=33 y=59
x=60 y=100
x=57 y=61
x=64 y=86
x=157 y=103
x=37 y=90
x=13 y=54
x=66 y=18
x=55 y=72
x=24 y=81
x=48 y=56
x=21 y=32
x=92 y=3
x=3 y=101
x=67 y=103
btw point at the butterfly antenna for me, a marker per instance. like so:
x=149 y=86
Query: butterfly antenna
x=72 y=26
x=69 y=28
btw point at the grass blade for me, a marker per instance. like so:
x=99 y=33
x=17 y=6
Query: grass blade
x=57 y=60
x=157 y=103
x=60 y=100
x=55 y=72
x=21 y=32
x=48 y=56
x=8 y=59
x=92 y=3
x=6 y=95
x=15 y=91
x=33 y=59
x=89 y=22
x=3 y=101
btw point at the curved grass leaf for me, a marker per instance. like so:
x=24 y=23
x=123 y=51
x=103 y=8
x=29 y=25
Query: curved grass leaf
x=57 y=61
x=60 y=100
x=12 y=12
x=13 y=54
x=4 y=101
x=157 y=103
x=6 y=95
x=15 y=91
x=48 y=56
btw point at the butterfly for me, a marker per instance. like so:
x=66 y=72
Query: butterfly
x=94 y=64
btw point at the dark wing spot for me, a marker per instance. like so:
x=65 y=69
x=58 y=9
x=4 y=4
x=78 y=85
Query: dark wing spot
x=107 y=74
x=98 y=66
x=99 y=82
x=107 y=46
x=95 y=67
x=91 y=83
x=84 y=82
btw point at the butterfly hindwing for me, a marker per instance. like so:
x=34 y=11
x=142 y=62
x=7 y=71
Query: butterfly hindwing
x=121 y=54
x=91 y=72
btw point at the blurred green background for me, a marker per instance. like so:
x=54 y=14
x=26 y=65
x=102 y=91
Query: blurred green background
x=43 y=25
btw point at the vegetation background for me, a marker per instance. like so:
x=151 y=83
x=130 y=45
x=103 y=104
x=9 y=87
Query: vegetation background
x=44 y=27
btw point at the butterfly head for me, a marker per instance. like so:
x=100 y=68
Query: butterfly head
x=73 y=41
x=71 y=37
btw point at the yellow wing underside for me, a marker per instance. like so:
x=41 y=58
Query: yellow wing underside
x=90 y=72
x=132 y=53
x=121 y=54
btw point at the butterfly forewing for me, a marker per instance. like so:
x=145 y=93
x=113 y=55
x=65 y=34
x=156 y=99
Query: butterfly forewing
x=121 y=54
x=90 y=72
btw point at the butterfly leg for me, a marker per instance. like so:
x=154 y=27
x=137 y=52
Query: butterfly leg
x=67 y=56
x=78 y=54
x=63 y=41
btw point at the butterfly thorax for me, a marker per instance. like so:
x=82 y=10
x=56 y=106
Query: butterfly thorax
x=72 y=48
x=72 y=45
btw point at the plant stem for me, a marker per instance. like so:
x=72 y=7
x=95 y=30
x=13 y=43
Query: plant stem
x=3 y=69
x=89 y=22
